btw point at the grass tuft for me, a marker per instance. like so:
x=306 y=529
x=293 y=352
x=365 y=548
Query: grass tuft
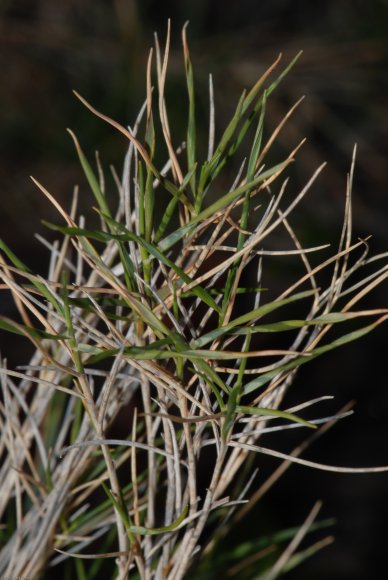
x=160 y=346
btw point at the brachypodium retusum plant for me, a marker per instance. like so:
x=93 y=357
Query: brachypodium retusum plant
x=161 y=355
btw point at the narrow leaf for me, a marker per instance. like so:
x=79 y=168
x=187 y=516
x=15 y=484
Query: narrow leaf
x=142 y=531
x=246 y=318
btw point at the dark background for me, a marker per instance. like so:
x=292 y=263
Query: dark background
x=48 y=47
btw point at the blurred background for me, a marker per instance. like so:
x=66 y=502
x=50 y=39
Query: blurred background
x=48 y=48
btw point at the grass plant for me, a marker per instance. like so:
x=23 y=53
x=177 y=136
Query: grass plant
x=162 y=354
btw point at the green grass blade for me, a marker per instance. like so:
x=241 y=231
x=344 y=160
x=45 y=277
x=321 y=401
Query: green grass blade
x=150 y=248
x=149 y=204
x=23 y=330
x=142 y=531
x=40 y=286
x=69 y=325
x=220 y=205
x=171 y=207
x=122 y=511
x=298 y=361
x=283 y=74
x=191 y=125
x=259 y=411
x=247 y=318
x=230 y=412
x=90 y=176
x=212 y=167
x=256 y=145
x=285 y=325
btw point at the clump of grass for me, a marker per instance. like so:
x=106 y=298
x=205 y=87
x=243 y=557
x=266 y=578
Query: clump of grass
x=159 y=349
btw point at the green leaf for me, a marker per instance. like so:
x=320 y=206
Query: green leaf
x=142 y=531
x=258 y=411
x=149 y=353
x=171 y=207
x=256 y=146
x=151 y=249
x=311 y=355
x=246 y=318
x=284 y=325
x=230 y=412
x=69 y=325
x=209 y=169
x=23 y=330
x=13 y=257
x=191 y=126
x=90 y=176
x=285 y=72
x=122 y=511
x=219 y=205
x=40 y=286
